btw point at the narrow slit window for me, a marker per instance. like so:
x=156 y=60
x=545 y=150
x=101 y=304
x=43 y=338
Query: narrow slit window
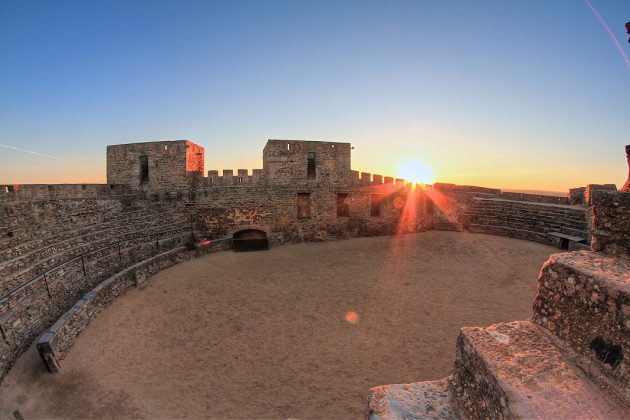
x=375 y=204
x=310 y=166
x=343 y=209
x=304 y=205
x=144 y=169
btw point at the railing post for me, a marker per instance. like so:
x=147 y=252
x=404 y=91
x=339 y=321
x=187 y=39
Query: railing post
x=157 y=241
x=83 y=265
x=3 y=335
x=47 y=287
x=119 y=253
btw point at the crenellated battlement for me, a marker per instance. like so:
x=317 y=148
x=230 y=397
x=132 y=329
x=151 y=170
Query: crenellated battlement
x=229 y=179
x=38 y=192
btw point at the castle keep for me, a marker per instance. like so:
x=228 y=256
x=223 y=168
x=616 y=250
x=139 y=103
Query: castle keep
x=66 y=251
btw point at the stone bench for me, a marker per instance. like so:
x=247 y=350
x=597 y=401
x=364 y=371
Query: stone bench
x=565 y=239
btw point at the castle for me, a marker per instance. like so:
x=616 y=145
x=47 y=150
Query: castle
x=66 y=251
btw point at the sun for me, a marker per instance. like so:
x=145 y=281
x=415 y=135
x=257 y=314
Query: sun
x=416 y=171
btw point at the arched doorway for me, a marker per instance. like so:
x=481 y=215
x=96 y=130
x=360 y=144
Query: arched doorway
x=250 y=240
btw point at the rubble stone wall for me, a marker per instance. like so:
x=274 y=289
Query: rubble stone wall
x=611 y=222
x=584 y=299
x=168 y=163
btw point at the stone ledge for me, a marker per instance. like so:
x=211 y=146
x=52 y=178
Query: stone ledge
x=420 y=400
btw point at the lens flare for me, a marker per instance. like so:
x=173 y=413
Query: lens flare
x=416 y=171
x=352 y=317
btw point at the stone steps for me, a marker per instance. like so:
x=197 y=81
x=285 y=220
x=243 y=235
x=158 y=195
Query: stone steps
x=507 y=370
x=535 y=225
x=529 y=221
x=525 y=213
x=516 y=370
x=570 y=360
x=420 y=400
x=104 y=264
x=46 y=237
x=517 y=203
x=505 y=216
x=577 y=220
x=514 y=233
x=14 y=280
x=30 y=257
x=21 y=234
x=54 y=246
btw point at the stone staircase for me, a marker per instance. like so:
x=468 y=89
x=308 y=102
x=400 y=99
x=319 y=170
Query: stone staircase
x=524 y=220
x=570 y=360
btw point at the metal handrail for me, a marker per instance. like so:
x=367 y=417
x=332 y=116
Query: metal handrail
x=81 y=257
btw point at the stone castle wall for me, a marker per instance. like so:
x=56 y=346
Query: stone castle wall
x=168 y=163
x=59 y=241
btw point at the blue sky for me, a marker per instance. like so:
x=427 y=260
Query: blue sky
x=518 y=94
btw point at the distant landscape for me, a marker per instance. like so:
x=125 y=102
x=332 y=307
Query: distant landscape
x=541 y=192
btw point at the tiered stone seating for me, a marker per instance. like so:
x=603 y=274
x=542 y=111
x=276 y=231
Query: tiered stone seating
x=27 y=239
x=41 y=277
x=31 y=258
x=524 y=220
x=569 y=361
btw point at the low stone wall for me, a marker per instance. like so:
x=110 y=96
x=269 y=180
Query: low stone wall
x=55 y=342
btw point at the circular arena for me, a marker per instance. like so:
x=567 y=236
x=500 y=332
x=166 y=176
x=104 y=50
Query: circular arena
x=296 y=331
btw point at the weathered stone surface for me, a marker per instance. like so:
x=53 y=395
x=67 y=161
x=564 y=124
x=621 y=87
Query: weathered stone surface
x=592 y=188
x=584 y=298
x=576 y=196
x=168 y=163
x=611 y=222
x=515 y=370
x=420 y=400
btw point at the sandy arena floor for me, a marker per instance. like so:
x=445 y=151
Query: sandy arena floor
x=264 y=334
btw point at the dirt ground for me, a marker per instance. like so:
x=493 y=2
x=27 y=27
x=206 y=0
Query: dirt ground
x=298 y=331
